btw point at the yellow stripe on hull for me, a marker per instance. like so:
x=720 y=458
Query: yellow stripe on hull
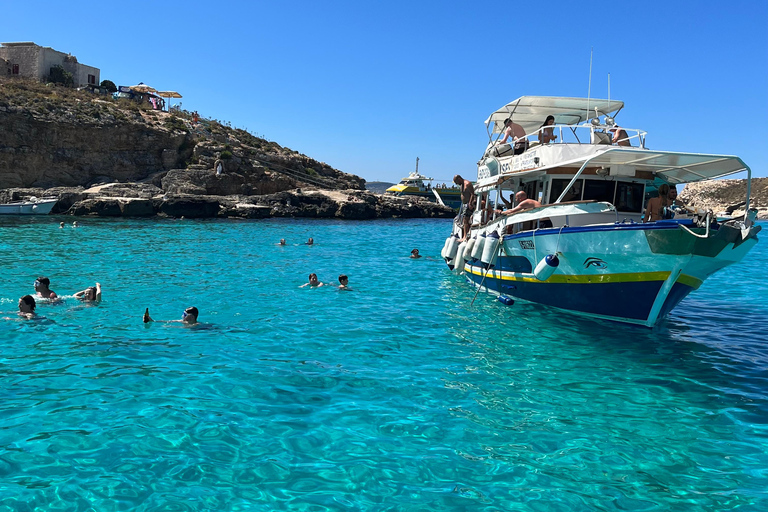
x=633 y=277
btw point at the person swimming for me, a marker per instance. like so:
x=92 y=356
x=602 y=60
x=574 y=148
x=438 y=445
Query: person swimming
x=92 y=293
x=27 y=307
x=344 y=282
x=415 y=254
x=282 y=241
x=311 y=241
x=189 y=316
x=42 y=289
x=313 y=281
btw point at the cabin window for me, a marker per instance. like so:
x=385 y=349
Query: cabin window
x=599 y=190
x=92 y=79
x=557 y=187
x=629 y=197
x=15 y=70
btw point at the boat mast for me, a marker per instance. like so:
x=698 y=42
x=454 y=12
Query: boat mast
x=417 y=165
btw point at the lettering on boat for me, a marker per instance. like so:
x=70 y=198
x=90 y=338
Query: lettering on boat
x=526 y=244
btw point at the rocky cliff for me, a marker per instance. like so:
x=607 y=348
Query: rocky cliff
x=58 y=141
x=727 y=197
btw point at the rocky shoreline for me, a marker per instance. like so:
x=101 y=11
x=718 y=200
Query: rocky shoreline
x=727 y=197
x=147 y=200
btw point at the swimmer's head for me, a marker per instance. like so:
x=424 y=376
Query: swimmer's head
x=282 y=241
x=189 y=316
x=42 y=281
x=415 y=253
x=310 y=241
x=313 y=278
x=343 y=279
x=27 y=304
x=90 y=293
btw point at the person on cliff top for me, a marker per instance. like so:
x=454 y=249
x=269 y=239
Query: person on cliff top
x=188 y=317
x=90 y=294
x=314 y=282
x=42 y=289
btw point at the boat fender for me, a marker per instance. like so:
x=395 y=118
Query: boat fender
x=468 y=249
x=477 y=250
x=445 y=246
x=453 y=246
x=546 y=267
x=507 y=301
x=458 y=261
x=490 y=248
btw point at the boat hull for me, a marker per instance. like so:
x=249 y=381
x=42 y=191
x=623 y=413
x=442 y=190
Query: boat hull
x=635 y=273
x=43 y=207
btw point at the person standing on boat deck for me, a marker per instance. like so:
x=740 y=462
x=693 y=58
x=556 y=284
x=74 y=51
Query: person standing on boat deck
x=546 y=135
x=674 y=204
x=620 y=137
x=517 y=133
x=467 y=203
x=41 y=287
x=656 y=205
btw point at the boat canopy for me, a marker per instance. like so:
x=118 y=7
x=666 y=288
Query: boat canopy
x=671 y=166
x=531 y=111
x=558 y=210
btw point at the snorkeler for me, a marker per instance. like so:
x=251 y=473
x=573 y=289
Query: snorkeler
x=189 y=316
x=42 y=288
x=92 y=293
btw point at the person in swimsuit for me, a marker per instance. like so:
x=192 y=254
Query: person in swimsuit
x=90 y=294
x=467 y=203
x=654 y=210
x=546 y=135
x=42 y=288
x=189 y=316
x=313 y=282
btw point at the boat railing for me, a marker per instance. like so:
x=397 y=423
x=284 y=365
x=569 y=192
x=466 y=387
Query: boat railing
x=586 y=133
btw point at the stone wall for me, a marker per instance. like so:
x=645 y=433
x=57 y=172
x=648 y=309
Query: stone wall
x=36 y=62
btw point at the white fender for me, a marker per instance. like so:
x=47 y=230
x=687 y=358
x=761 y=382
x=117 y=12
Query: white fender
x=458 y=261
x=477 y=250
x=490 y=248
x=468 y=249
x=445 y=246
x=546 y=267
x=453 y=246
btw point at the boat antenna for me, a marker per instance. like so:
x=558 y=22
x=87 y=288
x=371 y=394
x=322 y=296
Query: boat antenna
x=417 y=165
x=589 y=88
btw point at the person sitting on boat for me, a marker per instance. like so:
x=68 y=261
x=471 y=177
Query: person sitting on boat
x=313 y=282
x=467 y=203
x=92 y=293
x=42 y=288
x=546 y=135
x=657 y=207
x=620 y=137
x=517 y=133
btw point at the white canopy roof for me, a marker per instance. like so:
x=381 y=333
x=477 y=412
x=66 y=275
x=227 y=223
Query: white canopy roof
x=531 y=111
x=671 y=166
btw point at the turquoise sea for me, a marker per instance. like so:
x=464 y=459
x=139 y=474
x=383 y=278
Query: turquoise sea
x=396 y=395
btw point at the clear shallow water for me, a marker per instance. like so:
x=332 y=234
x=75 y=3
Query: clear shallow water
x=394 y=396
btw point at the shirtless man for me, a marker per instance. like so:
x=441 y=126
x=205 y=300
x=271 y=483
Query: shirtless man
x=41 y=287
x=467 y=203
x=517 y=133
x=620 y=137
x=313 y=282
x=523 y=203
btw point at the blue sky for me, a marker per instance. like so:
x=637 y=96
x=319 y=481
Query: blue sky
x=368 y=86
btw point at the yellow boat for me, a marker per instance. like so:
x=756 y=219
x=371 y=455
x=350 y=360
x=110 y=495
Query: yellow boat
x=418 y=185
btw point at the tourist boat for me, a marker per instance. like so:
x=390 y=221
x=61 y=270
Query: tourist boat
x=585 y=249
x=30 y=206
x=418 y=185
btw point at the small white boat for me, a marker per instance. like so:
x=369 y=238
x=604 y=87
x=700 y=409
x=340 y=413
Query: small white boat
x=585 y=249
x=418 y=185
x=30 y=206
